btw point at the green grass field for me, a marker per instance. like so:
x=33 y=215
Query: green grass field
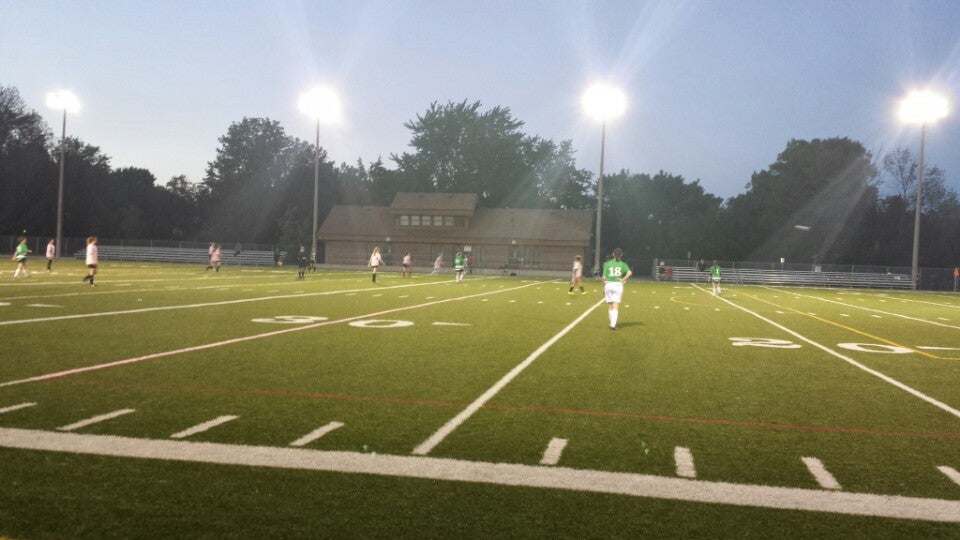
x=172 y=402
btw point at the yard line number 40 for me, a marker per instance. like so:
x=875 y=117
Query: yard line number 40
x=773 y=343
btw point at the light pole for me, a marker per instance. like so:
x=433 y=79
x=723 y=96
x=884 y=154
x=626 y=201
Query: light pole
x=67 y=102
x=602 y=102
x=323 y=105
x=921 y=107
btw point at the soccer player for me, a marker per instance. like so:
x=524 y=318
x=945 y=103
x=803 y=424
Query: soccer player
x=576 y=275
x=458 y=266
x=615 y=273
x=301 y=262
x=437 y=264
x=215 y=257
x=210 y=256
x=715 y=277
x=375 y=261
x=91 y=259
x=20 y=255
x=313 y=260
x=407 y=262
x=51 y=253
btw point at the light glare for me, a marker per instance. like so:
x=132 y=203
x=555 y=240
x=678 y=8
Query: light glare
x=604 y=102
x=923 y=107
x=321 y=104
x=63 y=100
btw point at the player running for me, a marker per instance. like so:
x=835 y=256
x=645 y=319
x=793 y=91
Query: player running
x=615 y=273
x=20 y=255
x=576 y=275
x=458 y=266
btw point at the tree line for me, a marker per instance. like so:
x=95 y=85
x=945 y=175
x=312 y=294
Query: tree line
x=821 y=200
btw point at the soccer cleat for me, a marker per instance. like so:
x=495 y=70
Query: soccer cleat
x=613 y=327
x=582 y=292
x=570 y=293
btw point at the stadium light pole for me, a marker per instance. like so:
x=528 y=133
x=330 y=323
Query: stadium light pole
x=67 y=102
x=323 y=105
x=602 y=102
x=921 y=107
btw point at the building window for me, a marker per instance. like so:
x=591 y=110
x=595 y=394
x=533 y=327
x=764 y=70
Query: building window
x=425 y=221
x=415 y=221
x=405 y=221
x=448 y=221
x=438 y=221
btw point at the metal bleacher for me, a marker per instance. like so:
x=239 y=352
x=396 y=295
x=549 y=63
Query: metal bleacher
x=793 y=278
x=178 y=255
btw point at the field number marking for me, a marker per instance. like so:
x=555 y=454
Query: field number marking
x=380 y=323
x=290 y=319
x=881 y=348
x=763 y=342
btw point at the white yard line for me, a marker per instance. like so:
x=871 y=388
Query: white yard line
x=684 y=460
x=316 y=434
x=503 y=474
x=820 y=473
x=845 y=358
x=951 y=473
x=917 y=319
x=551 y=456
x=192 y=306
x=242 y=339
x=200 y=428
x=95 y=419
x=426 y=446
x=17 y=407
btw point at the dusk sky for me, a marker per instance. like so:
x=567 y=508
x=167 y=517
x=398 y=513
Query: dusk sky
x=715 y=88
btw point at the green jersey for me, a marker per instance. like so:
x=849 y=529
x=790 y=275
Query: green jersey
x=715 y=271
x=614 y=270
x=21 y=251
x=458 y=262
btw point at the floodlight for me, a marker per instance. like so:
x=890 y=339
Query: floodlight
x=604 y=102
x=63 y=100
x=923 y=107
x=321 y=103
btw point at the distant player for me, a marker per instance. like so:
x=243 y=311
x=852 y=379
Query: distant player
x=437 y=264
x=576 y=275
x=215 y=257
x=313 y=260
x=91 y=259
x=301 y=262
x=407 y=263
x=20 y=255
x=210 y=255
x=715 y=272
x=615 y=273
x=51 y=253
x=458 y=266
x=375 y=261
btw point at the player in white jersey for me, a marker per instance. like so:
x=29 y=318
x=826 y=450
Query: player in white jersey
x=51 y=253
x=375 y=261
x=576 y=275
x=91 y=259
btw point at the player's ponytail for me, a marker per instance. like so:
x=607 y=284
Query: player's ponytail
x=617 y=253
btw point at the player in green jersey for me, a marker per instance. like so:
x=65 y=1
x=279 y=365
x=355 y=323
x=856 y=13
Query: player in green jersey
x=458 y=266
x=20 y=255
x=715 y=277
x=615 y=274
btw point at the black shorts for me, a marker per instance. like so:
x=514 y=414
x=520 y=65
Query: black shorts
x=22 y=260
x=92 y=266
x=406 y=266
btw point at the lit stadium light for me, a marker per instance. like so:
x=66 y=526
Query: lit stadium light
x=323 y=105
x=603 y=102
x=921 y=107
x=66 y=101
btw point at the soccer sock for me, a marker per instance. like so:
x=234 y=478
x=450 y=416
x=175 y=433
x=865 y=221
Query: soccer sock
x=374 y=278
x=571 y=288
x=581 y=289
x=16 y=272
x=614 y=314
x=26 y=273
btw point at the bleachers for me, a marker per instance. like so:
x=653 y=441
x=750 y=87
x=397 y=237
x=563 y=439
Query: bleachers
x=791 y=278
x=179 y=255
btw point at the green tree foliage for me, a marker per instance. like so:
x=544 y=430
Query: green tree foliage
x=658 y=216
x=828 y=185
x=260 y=186
x=27 y=172
x=459 y=148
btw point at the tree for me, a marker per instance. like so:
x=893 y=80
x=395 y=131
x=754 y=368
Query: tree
x=459 y=148
x=901 y=168
x=828 y=185
x=28 y=174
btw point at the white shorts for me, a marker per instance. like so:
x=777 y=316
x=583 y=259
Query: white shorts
x=612 y=291
x=715 y=279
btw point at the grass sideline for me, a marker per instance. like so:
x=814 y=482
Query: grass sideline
x=749 y=383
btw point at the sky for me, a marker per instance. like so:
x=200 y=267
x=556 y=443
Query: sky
x=715 y=88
